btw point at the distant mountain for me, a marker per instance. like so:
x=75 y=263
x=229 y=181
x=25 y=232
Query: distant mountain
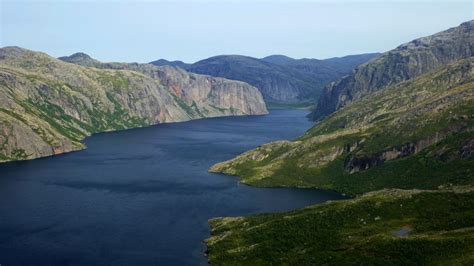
x=348 y=63
x=281 y=79
x=47 y=106
x=325 y=69
x=164 y=62
x=81 y=59
x=277 y=83
x=278 y=59
x=405 y=62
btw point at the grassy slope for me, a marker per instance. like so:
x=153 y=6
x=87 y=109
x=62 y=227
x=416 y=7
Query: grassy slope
x=433 y=113
x=352 y=232
x=436 y=107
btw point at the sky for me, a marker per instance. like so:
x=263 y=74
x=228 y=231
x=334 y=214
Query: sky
x=143 y=31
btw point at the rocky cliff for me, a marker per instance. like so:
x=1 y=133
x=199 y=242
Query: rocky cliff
x=403 y=63
x=48 y=106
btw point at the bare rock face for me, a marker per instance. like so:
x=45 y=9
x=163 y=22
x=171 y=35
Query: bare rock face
x=403 y=63
x=48 y=106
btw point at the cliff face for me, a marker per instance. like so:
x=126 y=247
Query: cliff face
x=195 y=93
x=281 y=79
x=403 y=63
x=48 y=106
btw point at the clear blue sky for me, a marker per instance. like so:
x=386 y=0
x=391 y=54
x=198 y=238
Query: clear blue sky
x=191 y=30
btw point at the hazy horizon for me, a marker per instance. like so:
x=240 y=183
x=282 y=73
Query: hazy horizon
x=193 y=30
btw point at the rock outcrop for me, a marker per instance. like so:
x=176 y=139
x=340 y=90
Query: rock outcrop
x=48 y=106
x=403 y=63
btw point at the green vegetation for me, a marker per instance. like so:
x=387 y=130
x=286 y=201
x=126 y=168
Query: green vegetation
x=188 y=109
x=19 y=154
x=222 y=110
x=413 y=135
x=435 y=227
x=395 y=139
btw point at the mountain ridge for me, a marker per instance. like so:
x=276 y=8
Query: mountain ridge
x=287 y=81
x=48 y=106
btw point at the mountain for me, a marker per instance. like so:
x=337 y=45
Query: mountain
x=414 y=134
x=348 y=63
x=340 y=66
x=281 y=79
x=405 y=62
x=278 y=84
x=406 y=152
x=164 y=62
x=48 y=106
x=81 y=59
x=278 y=59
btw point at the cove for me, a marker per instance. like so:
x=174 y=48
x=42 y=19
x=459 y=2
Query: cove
x=141 y=196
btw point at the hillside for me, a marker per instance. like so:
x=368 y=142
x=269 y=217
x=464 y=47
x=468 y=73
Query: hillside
x=48 y=106
x=285 y=81
x=388 y=227
x=403 y=63
x=399 y=134
x=416 y=134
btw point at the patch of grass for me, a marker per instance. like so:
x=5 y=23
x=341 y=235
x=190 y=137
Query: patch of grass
x=190 y=111
x=19 y=154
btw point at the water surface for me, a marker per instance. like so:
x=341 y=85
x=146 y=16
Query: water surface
x=139 y=197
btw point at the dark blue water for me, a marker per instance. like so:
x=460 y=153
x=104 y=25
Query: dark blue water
x=139 y=197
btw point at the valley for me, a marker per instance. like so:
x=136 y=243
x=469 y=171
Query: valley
x=255 y=154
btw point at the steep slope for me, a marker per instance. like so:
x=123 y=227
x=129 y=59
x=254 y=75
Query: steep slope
x=48 y=106
x=403 y=63
x=280 y=79
x=389 y=227
x=194 y=93
x=415 y=134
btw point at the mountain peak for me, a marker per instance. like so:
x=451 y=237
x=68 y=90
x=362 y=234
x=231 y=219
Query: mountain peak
x=80 y=59
x=80 y=55
x=278 y=58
